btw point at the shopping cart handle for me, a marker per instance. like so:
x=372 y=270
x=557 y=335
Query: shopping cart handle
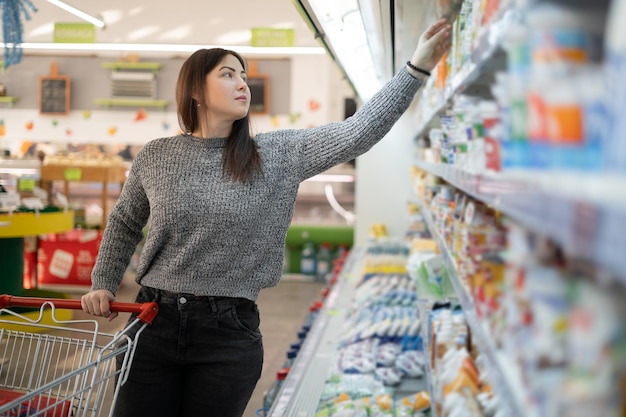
x=146 y=311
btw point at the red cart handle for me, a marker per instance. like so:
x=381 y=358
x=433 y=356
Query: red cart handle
x=146 y=311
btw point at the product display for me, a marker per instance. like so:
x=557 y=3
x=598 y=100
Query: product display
x=381 y=349
x=513 y=263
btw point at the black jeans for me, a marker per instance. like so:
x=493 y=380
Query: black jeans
x=201 y=356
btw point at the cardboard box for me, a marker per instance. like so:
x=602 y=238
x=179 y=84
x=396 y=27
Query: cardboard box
x=67 y=259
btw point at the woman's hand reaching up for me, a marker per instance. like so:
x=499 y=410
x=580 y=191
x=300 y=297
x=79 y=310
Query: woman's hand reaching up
x=433 y=43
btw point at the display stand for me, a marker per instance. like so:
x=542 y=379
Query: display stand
x=13 y=228
x=83 y=173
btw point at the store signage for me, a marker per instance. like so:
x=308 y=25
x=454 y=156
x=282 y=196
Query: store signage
x=269 y=37
x=73 y=174
x=26 y=184
x=74 y=33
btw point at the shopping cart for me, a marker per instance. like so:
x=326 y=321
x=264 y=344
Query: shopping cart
x=63 y=368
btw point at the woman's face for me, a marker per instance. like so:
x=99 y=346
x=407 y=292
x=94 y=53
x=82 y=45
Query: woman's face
x=228 y=94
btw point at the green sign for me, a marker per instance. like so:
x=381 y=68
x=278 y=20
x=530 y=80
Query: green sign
x=73 y=174
x=74 y=33
x=26 y=184
x=268 y=37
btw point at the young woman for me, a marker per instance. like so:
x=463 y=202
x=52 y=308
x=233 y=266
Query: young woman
x=220 y=202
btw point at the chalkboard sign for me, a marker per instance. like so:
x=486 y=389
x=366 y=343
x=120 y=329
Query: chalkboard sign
x=54 y=95
x=259 y=92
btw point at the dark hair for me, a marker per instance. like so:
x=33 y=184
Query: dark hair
x=241 y=157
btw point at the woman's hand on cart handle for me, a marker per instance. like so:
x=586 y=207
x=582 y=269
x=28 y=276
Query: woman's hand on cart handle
x=146 y=312
x=98 y=303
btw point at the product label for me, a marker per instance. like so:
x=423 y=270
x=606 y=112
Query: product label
x=616 y=146
x=61 y=264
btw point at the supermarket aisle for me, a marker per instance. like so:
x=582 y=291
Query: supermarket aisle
x=283 y=310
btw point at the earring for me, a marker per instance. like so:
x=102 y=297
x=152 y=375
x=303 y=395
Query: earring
x=199 y=105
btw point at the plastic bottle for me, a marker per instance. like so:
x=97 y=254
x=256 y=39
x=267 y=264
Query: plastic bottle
x=615 y=48
x=313 y=312
x=291 y=357
x=308 y=259
x=324 y=262
x=272 y=392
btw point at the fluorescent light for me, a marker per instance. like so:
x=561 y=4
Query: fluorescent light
x=343 y=29
x=73 y=10
x=157 y=47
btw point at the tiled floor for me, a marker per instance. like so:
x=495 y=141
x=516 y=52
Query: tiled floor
x=283 y=311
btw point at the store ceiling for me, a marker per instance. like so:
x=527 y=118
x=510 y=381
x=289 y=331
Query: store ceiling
x=179 y=22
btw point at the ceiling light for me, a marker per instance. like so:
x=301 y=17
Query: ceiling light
x=163 y=48
x=73 y=10
x=339 y=23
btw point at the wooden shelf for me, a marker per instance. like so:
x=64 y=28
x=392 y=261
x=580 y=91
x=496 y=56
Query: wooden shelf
x=8 y=99
x=153 y=66
x=131 y=102
x=84 y=173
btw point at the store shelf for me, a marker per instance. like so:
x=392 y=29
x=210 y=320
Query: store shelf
x=499 y=367
x=104 y=175
x=20 y=167
x=487 y=57
x=301 y=391
x=582 y=213
x=131 y=102
x=8 y=99
x=33 y=224
x=153 y=66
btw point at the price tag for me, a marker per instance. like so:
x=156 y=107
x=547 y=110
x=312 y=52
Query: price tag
x=26 y=184
x=73 y=174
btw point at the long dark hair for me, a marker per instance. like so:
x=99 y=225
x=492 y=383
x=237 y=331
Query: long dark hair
x=241 y=157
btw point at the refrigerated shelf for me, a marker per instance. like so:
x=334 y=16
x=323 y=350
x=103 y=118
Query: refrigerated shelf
x=301 y=391
x=582 y=213
x=501 y=371
x=487 y=57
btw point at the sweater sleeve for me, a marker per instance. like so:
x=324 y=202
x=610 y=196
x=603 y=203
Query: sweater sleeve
x=124 y=230
x=317 y=149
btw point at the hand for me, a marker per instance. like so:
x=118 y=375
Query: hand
x=97 y=303
x=433 y=43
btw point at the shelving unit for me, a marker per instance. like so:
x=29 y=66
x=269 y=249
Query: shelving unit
x=10 y=100
x=498 y=364
x=585 y=225
x=71 y=173
x=300 y=394
x=13 y=228
x=130 y=102
x=151 y=66
x=487 y=57
x=582 y=212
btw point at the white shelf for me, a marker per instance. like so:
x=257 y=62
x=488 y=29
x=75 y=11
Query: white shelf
x=487 y=53
x=19 y=167
x=584 y=213
x=497 y=368
x=301 y=391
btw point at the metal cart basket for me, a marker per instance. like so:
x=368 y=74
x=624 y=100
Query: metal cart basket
x=63 y=368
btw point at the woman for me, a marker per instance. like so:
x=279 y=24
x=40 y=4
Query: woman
x=220 y=203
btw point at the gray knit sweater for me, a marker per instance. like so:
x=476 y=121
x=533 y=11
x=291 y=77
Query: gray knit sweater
x=209 y=235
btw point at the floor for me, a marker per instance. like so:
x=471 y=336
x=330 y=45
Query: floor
x=283 y=311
